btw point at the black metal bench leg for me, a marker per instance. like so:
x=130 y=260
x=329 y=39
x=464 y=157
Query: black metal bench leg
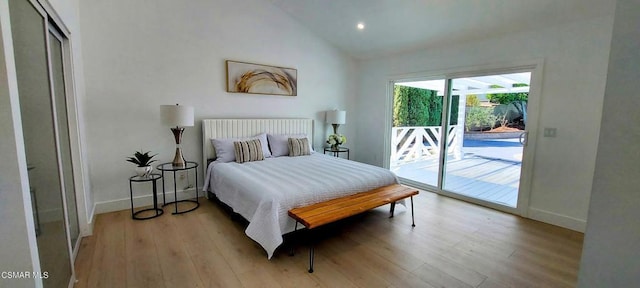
x=292 y=251
x=311 y=256
x=413 y=222
x=393 y=209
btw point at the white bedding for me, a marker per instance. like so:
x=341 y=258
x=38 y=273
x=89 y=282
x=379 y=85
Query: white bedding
x=264 y=191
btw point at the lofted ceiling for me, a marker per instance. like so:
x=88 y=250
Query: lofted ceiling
x=395 y=26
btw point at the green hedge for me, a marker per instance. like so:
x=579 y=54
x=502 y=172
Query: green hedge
x=420 y=107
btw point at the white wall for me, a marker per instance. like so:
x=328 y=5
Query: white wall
x=18 y=251
x=139 y=55
x=575 y=63
x=611 y=254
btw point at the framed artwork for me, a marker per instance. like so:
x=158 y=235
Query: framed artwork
x=261 y=79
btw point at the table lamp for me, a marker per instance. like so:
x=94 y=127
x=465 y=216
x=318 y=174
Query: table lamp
x=335 y=118
x=177 y=117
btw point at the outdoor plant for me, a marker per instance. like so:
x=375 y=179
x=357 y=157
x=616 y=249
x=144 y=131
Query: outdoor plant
x=472 y=100
x=480 y=117
x=142 y=159
x=420 y=107
x=518 y=100
x=504 y=121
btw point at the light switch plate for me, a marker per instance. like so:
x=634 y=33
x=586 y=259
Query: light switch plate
x=550 y=132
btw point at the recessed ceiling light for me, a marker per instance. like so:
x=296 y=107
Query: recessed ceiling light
x=360 y=26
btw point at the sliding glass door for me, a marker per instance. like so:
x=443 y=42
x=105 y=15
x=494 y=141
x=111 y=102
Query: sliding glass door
x=40 y=54
x=417 y=130
x=479 y=156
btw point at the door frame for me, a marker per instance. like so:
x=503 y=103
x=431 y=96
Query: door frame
x=71 y=247
x=52 y=17
x=54 y=24
x=536 y=67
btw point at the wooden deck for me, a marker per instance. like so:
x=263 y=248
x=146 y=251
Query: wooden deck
x=487 y=179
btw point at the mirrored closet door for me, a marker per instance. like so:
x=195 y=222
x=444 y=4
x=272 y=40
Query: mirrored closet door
x=56 y=52
x=41 y=54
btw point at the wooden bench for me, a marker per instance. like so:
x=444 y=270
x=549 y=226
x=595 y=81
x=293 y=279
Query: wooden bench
x=329 y=211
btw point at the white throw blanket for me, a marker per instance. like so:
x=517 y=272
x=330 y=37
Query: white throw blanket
x=264 y=191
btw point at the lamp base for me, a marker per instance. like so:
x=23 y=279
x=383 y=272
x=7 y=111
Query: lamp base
x=178 y=159
x=335 y=128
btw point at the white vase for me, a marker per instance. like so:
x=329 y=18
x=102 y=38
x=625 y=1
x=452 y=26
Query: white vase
x=143 y=171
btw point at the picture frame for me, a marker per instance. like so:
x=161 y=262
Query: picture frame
x=252 y=78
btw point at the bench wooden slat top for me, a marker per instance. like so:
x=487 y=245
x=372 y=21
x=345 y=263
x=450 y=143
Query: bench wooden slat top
x=326 y=212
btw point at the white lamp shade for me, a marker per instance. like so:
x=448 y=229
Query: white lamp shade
x=176 y=115
x=336 y=117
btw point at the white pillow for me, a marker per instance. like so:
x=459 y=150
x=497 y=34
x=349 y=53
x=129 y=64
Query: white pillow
x=279 y=144
x=225 y=151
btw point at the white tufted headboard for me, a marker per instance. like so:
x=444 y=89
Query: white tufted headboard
x=240 y=128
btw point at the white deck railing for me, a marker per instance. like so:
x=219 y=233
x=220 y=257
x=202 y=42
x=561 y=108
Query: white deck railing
x=410 y=144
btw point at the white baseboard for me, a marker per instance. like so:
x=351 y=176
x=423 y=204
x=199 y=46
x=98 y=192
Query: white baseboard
x=140 y=201
x=558 y=219
x=88 y=231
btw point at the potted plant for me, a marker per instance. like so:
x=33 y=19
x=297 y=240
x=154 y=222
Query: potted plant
x=143 y=160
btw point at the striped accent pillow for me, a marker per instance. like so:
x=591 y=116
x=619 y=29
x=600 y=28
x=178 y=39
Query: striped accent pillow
x=299 y=147
x=247 y=151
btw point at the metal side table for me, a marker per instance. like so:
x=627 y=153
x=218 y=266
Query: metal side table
x=153 y=178
x=168 y=167
x=336 y=152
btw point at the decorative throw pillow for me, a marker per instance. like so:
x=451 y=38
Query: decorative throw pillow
x=225 y=151
x=279 y=143
x=298 y=147
x=247 y=151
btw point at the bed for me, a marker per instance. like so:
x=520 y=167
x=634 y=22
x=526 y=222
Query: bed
x=263 y=191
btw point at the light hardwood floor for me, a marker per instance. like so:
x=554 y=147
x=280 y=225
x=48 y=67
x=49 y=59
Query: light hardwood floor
x=455 y=244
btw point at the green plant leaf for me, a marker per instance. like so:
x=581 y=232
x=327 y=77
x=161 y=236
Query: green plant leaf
x=142 y=159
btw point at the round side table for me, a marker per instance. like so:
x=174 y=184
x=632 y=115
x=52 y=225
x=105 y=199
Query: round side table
x=336 y=152
x=153 y=178
x=168 y=167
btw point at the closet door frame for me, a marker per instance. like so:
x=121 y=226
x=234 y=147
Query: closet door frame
x=56 y=128
x=47 y=29
x=63 y=34
x=85 y=214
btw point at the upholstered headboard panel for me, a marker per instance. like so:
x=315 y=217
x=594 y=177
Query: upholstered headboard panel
x=239 y=128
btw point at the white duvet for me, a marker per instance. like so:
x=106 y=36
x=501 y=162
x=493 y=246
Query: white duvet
x=264 y=191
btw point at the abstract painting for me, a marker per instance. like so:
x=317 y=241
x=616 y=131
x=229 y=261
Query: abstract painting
x=261 y=79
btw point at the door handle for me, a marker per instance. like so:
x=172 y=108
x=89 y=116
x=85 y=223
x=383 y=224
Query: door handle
x=524 y=138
